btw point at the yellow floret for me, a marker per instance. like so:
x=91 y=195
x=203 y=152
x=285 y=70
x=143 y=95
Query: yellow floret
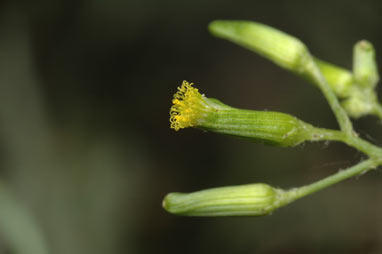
x=186 y=107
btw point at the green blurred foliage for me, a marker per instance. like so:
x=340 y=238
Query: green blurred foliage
x=85 y=144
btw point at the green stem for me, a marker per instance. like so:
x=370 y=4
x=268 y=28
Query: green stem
x=358 y=169
x=342 y=118
x=367 y=148
x=374 y=152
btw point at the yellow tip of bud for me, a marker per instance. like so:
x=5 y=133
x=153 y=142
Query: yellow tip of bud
x=186 y=107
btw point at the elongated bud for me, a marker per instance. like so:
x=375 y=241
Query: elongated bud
x=279 y=47
x=243 y=200
x=191 y=109
x=364 y=64
x=339 y=79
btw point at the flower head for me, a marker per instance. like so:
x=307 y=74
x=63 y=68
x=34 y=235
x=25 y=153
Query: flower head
x=192 y=109
x=187 y=107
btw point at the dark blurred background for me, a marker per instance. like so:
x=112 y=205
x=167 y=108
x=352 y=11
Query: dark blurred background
x=86 y=152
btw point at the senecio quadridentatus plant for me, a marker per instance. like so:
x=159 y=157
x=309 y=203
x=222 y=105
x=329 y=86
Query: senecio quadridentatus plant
x=349 y=94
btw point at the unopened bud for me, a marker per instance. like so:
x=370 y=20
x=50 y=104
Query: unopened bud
x=364 y=64
x=279 y=47
x=243 y=200
x=361 y=102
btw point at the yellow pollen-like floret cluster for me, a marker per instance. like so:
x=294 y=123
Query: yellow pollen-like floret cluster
x=186 y=107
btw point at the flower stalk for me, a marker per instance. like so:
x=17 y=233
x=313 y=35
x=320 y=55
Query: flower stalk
x=339 y=79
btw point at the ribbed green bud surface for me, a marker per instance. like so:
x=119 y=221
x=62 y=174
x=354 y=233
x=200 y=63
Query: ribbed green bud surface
x=279 y=47
x=265 y=127
x=243 y=200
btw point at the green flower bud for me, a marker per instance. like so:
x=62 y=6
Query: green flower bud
x=364 y=64
x=279 y=47
x=191 y=109
x=340 y=80
x=362 y=102
x=243 y=200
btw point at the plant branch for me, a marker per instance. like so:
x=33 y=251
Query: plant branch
x=341 y=175
x=367 y=148
x=342 y=118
